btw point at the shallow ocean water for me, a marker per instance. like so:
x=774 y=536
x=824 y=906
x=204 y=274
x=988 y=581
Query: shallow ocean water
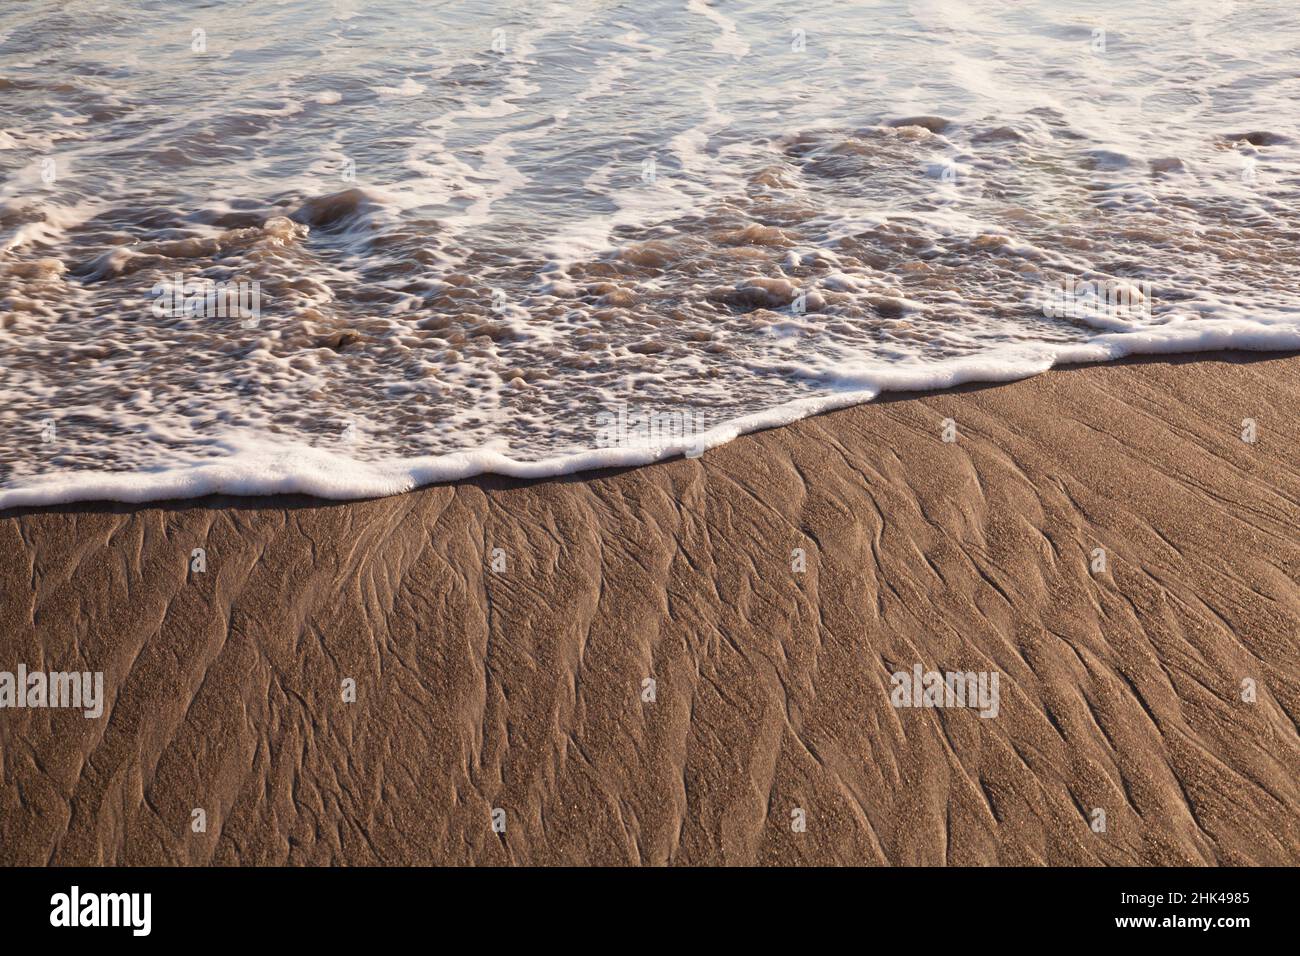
x=531 y=238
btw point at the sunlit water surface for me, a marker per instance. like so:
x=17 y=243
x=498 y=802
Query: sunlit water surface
x=482 y=232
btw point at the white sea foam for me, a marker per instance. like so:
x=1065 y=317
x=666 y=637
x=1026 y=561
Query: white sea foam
x=251 y=465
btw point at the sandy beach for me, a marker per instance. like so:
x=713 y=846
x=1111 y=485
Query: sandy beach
x=644 y=667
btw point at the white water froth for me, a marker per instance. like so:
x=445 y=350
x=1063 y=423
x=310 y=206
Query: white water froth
x=256 y=466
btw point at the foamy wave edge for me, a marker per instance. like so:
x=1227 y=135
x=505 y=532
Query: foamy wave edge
x=256 y=466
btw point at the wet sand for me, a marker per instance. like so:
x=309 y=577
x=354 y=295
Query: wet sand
x=522 y=689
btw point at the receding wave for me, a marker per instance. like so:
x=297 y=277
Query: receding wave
x=298 y=255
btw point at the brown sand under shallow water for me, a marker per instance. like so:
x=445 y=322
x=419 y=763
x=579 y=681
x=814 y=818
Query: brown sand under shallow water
x=522 y=690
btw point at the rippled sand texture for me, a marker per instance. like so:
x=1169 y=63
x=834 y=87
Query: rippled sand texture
x=521 y=690
x=715 y=209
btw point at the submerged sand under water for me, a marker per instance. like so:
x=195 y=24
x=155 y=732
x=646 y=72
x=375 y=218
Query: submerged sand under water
x=471 y=237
